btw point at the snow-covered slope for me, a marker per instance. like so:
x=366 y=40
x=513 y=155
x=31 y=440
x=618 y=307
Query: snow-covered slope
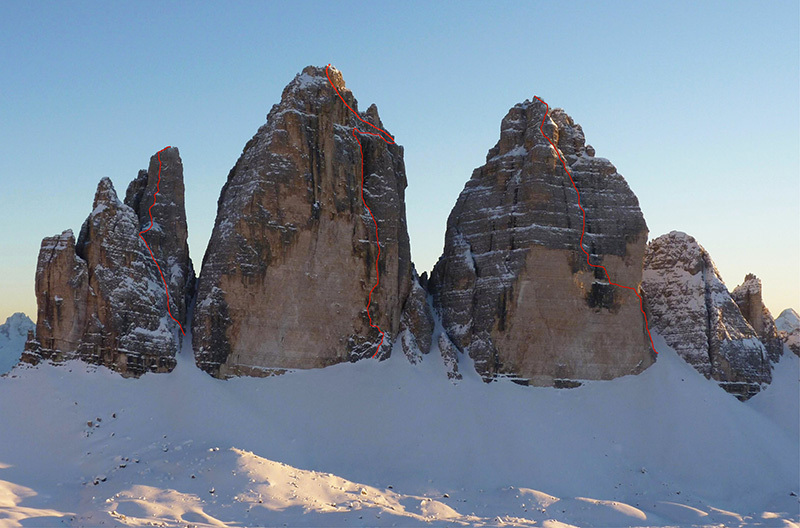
x=780 y=401
x=389 y=443
x=788 y=321
x=13 y=334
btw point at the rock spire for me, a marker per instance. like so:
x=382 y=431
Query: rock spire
x=513 y=287
x=291 y=261
x=101 y=298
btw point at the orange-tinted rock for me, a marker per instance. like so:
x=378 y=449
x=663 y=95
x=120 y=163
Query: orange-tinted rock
x=287 y=274
x=748 y=297
x=689 y=305
x=513 y=287
x=101 y=298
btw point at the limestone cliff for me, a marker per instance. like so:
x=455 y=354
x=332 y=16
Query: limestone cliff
x=691 y=308
x=416 y=323
x=748 y=297
x=101 y=299
x=513 y=287
x=287 y=275
x=168 y=233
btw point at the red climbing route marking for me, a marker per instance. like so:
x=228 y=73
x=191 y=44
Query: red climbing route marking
x=150 y=212
x=385 y=136
x=583 y=230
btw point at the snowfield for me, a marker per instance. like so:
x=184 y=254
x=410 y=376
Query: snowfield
x=394 y=444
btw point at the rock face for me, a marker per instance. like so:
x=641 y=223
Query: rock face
x=748 y=297
x=13 y=334
x=513 y=287
x=169 y=232
x=788 y=325
x=287 y=275
x=416 y=323
x=449 y=356
x=691 y=308
x=101 y=299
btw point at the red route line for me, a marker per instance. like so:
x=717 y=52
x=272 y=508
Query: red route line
x=385 y=136
x=583 y=230
x=150 y=212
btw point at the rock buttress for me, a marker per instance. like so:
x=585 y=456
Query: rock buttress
x=689 y=305
x=286 y=277
x=168 y=235
x=748 y=297
x=101 y=298
x=513 y=287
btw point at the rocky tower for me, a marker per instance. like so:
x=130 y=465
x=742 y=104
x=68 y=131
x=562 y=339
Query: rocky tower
x=513 y=287
x=101 y=299
x=288 y=270
x=691 y=308
x=169 y=233
x=748 y=297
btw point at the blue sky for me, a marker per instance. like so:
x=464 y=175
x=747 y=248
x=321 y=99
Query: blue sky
x=695 y=103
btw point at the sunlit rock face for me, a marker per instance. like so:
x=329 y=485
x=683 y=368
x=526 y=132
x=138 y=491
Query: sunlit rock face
x=691 y=308
x=287 y=275
x=168 y=234
x=101 y=298
x=748 y=297
x=513 y=286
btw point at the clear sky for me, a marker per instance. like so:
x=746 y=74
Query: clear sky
x=696 y=103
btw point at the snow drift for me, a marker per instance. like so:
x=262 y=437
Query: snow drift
x=383 y=443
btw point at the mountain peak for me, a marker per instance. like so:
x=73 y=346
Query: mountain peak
x=105 y=195
x=17 y=322
x=103 y=299
x=788 y=325
x=291 y=220
x=312 y=87
x=751 y=284
x=690 y=306
x=513 y=264
x=788 y=320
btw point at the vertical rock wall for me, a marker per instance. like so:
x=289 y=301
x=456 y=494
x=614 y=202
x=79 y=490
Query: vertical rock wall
x=168 y=234
x=513 y=287
x=101 y=298
x=748 y=297
x=287 y=275
x=691 y=308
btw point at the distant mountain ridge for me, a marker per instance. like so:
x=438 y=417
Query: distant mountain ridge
x=13 y=334
x=788 y=325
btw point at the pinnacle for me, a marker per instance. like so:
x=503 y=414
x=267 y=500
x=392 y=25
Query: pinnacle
x=106 y=194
